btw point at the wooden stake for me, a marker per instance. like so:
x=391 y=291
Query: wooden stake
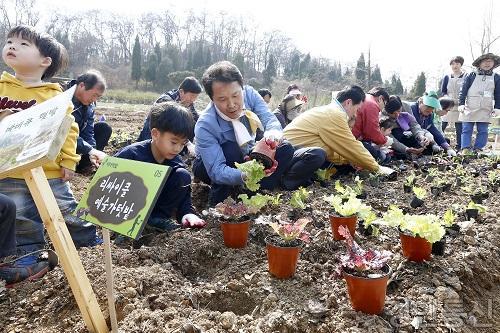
x=109 y=280
x=65 y=249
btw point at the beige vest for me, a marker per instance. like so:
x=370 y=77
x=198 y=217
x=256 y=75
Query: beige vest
x=479 y=100
x=453 y=87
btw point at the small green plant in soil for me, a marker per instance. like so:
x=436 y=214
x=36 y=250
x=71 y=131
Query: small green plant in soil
x=346 y=191
x=254 y=171
x=298 y=198
x=348 y=208
x=230 y=210
x=325 y=174
x=291 y=232
x=480 y=208
x=258 y=201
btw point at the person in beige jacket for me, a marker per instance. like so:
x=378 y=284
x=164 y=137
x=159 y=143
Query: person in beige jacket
x=328 y=127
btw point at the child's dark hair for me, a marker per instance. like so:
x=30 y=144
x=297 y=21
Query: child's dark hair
x=379 y=91
x=354 y=93
x=91 y=79
x=222 y=71
x=47 y=45
x=264 y=92
x=458 y=59
x=394 y=104
x=190 y=85
x=291 y=87
x=172 y=117
x=446 y=103
x=387 y=123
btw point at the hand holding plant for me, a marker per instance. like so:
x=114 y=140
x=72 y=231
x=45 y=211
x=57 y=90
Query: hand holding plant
x=254 y=172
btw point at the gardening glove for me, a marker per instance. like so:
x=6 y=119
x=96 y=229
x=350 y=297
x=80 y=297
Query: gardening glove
x=436 y=148
x=271 y=170
x=451 y=152
x=389 y=141
x=384 y=170
x=190 y=148
x=96 y=157
x=273 y=135
x=192 y=221
x=496 y=112
x=461 y=108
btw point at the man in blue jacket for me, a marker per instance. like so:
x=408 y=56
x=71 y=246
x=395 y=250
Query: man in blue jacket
x=225 y=133
x=93 y=137
x=423 y=111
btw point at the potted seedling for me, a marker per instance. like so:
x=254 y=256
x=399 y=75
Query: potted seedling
x=346 y=191
x=409 y=182
x=474 y=209
x=324 y=176
x=366 y=273
x=283 y=248
x=345 y=213
x=120 y=139
x=235 y=221
x=298 y=203
x=366 y=227
x=419 y=194
x=479 y=194
x=254 y=172
x=431 y=174
x=374 y=179
x=494 y=180
x=447 y=221
x=264 y=152
x=416 y=232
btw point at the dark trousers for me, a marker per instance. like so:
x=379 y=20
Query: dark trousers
x=102 y=133
x=458 y=132
x=7 y=226
x=295 y=168
x=175 y=198
x=376 y=153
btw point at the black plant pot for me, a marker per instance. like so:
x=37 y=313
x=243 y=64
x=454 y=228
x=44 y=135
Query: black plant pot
x=364 y=231
x=477 y=198
x=416 y=202
x=407 y=188
x=441 y=167
x=494 y=187
x=438 y=247
x=472 y=213
x=362 y=195
x=447 y=187
x=485 y=195
x=436 y=190
x=453 y=230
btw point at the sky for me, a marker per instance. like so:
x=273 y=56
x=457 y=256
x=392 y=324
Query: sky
x=406 y=37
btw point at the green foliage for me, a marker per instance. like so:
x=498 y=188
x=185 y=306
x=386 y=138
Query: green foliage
x=270 y=72
x=177 y=77
x=254 y=173
x=449 y=218
x=292 y=231
x=480 y=208
x=350 y=207
x=299 y=197
x=348 y=191
x=419 y=85
x=325 y=174
x=258 y=201
x=410 y=180
x=360 y=72
x=419 y=192
x=494 y=176
x=136 y=61
x=151 y=68
x=376 y=77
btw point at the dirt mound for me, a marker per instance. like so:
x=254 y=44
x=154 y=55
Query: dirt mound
x=188 y=281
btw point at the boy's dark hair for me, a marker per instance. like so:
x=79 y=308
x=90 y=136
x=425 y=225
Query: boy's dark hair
x=394 y=104
x=172 y=117
x=446 y=103
x=292 y=87
x=222 y=71
x=47 y=45
x=458 y=59
x=354 y=93
x=264 y=92
x=387 y=123
x=379 y=91
x=92 y=78
x=190 y=85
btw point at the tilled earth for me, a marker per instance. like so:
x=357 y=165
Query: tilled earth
x=188 y=281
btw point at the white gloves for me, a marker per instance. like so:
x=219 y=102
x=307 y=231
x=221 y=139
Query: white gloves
x=436 y=148
x=385 y=170
x=97 y=156
x=496 y=112
x=389 y=142
x=461 y=108
x=426 y=139
x=451 y=152
x=273 y=135
x=192 y=221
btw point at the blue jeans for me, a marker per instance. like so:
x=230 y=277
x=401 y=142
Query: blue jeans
x=458 y=132
x=481 y=136
x=7 y=226
x=29 y=225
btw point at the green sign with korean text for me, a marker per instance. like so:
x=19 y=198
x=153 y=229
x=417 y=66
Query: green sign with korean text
x=122 y=194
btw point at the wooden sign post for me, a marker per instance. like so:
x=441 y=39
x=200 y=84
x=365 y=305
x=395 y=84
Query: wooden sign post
x=120 y=197
x=28 y=140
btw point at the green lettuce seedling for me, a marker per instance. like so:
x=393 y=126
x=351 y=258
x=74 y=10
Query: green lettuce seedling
x=254 y=171
x=448 y=218
x=258 y=201
x=298 y=198
x=480 y=208
x=352 y=206
x=420 y=192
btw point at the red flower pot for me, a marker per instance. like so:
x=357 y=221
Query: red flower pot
x=263 y=153
x=415 y=248
x=282 y=260
x=235 y=234
x=367 y=294
x=349 y=222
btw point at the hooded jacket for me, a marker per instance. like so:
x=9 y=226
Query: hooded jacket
x=15 y=94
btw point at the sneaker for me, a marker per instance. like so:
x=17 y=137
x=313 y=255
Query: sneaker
x=162 y=224
x=28 y=267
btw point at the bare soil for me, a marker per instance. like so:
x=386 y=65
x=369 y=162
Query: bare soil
x=188 y=281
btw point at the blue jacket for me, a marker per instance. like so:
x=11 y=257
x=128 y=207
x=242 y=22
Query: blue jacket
x=469 y=79
x=427 y=124
x=211 y=131
x=84 y=117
